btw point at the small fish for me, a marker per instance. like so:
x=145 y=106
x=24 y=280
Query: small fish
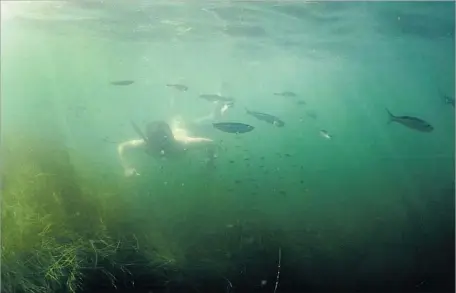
x=108 y=140
x=325 y=134
x=286 y=94
x=411 y=122
x=266 y=117
x=216 y=98
x=179 y=87
x=122 y=82
x=301 y=102
x=311 y=114
x=233 y=127
x=78 y=110
x=447 y=99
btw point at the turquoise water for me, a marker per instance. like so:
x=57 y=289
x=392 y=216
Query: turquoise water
x=371 y=209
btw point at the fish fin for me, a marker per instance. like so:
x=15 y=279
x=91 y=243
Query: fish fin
x=138 y=130
x=390 y=115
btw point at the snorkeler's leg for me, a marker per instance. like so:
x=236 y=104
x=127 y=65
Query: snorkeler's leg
x=213 y=116
x=223 y=109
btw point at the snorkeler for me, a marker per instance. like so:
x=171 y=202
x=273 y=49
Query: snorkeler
x=162 y=141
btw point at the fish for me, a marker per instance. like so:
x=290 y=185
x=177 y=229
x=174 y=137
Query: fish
x=447 y=99
x=266 y=117
x=180 y=87
x=233 y=127
x=78 y=110
x=108 y=140
x=286 y=94
x=311 y=114
x=216 y=98
x=411 y=122
x=325 y=134
x=301 y=102
x=122 y=82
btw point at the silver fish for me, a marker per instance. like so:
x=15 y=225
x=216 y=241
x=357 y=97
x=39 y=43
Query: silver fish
x=216 y=98
x=286 y=94
x=447 y=99
x=325 y=134
x=233 y=127
x=180 y=87
x=122 y=82
x=411 y=122
x=267 y=118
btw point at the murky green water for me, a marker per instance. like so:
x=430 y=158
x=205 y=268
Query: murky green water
x=371 y=209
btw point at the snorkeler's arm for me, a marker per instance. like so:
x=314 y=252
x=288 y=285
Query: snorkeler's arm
x=122 y=147
x=181 y=134
x=185 y=139
x=189 y=139
x=223 y=109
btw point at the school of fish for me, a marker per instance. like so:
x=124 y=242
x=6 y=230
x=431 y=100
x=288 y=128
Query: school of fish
x=410 y=122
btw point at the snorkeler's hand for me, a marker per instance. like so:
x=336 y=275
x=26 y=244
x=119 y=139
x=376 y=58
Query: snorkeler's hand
x=189 y=139
x=131 y=172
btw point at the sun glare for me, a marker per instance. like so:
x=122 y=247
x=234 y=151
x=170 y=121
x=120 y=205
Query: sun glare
x=4 y=8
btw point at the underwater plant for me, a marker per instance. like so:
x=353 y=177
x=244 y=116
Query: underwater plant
x=61 y=224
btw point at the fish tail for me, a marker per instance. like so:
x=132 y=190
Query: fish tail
x=391 y=116
x=247 y=110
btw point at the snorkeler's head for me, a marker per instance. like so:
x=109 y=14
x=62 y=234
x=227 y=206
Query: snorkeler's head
x=159 y=133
